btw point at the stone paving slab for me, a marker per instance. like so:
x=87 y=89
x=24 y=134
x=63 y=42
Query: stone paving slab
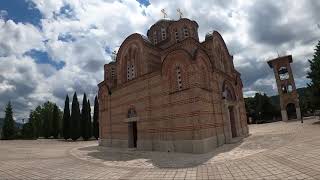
x=281 y=150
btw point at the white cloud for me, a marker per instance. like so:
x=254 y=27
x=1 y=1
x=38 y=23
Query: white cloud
x=91 y=26
x=18 y=38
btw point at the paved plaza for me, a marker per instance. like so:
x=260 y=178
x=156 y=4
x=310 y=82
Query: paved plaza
x=273 y=151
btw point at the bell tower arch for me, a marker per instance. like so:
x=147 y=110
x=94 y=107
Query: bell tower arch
x=289 y=98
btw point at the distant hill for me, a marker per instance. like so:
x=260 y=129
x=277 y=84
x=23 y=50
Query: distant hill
x=18 y=125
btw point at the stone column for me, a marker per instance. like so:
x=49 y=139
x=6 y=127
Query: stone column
x=284 y=115
x=298 y=113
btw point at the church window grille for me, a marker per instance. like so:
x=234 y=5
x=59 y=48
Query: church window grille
x=177 y=36
x=112 y=72
x=130 y=71
x=186 y=32
x=179 y=80
x=163 y=33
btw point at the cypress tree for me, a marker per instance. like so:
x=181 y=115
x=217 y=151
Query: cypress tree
x=8 y=129
x=55 y=121
x=95 y=125
x=75 y=118
x=28 y=128
x=314 y=75
x=84 y=116
x=89 y=126
x=37 y=121
x=66 y=119
x=47 y=115
x=46 y=124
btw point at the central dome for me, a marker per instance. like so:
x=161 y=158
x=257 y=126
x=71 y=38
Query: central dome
x=166 y=32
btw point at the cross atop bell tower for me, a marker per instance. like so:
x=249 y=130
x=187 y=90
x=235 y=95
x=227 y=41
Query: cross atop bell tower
x=289 y=98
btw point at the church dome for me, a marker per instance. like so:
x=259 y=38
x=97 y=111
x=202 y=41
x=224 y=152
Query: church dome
x=166 y=32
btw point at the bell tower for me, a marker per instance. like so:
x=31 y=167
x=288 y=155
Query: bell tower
x=289 y=98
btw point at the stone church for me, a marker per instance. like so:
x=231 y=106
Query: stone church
x=168 y=91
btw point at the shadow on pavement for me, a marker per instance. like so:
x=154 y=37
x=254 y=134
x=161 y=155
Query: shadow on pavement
x=156 y=158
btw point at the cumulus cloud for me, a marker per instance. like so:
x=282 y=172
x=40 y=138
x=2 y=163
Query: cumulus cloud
x=19 y=79
x=18 y=38
x=82 y=34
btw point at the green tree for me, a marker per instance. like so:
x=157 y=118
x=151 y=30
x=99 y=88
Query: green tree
x=75 y=118
x=314 y=76
x=36 y=120
x=55 y=121
x=88 y=132
x=260 y=108
x=96 y=118
x=84 y=116
x=47 y=118
x=28 y=128
x=66 y=119
x=8 y=128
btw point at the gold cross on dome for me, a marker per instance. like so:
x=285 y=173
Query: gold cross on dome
x=179 y=13
x=164 y=13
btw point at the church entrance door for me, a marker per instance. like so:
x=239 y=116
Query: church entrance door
x=232 y=122
x=133 y=134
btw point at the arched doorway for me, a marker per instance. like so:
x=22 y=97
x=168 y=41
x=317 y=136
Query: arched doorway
x=132 y=129
x=291 y=111
x=229 y=96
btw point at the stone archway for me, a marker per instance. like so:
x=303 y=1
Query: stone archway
x=231 y=110
x=291 y=111
x=132 y=128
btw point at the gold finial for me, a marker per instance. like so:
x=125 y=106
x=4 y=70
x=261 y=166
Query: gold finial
x=164 y=13
x=179 y=13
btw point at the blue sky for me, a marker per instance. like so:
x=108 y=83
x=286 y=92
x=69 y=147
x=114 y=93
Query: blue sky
x=21 y=11
x=51 y=48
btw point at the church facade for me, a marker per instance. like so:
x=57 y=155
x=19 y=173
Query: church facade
x=170 y=92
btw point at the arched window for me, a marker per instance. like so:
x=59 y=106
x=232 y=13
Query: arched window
x=289 y=88
x=179 y=79
x=163 y=33
x=222 y=65
x=284 y=89
x=186 y=32
x=283 y=73
x=132 y=113
x=228 y=92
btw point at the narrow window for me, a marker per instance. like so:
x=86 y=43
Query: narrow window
x=179 y=80
x=163 y=33
x=186 y=32
x=128 y=72
x=177 y=36
x=222 y=66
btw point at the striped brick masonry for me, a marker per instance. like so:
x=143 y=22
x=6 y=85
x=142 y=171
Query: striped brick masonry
x=170 y=92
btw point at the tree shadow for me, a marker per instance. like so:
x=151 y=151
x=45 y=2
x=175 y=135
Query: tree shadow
x=154 y=158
